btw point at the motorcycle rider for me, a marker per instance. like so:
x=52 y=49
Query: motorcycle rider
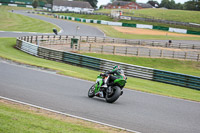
x=115 y=73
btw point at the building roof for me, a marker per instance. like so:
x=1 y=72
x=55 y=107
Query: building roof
x=120 y=3
x=144 y=5
x=81 y=4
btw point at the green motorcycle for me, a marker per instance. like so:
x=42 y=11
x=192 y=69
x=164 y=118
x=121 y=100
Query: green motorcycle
x=112 y=92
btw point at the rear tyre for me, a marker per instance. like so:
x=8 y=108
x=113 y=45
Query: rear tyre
x=116 y=94
x=91 y=92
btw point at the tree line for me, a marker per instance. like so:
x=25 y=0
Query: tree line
x=189 y=5
x=169 y=4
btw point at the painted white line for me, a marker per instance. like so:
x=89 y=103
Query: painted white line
x=69 y=115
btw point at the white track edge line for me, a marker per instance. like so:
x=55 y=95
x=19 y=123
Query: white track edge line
x=69 y=115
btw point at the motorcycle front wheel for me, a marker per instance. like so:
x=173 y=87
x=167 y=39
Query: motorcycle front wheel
x=114 y=96
x=91 y=92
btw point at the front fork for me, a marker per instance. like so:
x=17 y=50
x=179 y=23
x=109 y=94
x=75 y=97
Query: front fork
x=100 y=83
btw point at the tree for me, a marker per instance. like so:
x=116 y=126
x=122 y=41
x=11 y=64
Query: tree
x=93 y=3
x=130 y=0
x=49 y=1
x=192 y=5
x=179 y=6
x=123 y=0
x=35 y=4
x=168 y=4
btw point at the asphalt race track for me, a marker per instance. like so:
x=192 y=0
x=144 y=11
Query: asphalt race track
x=67 y=27
x=138 y=111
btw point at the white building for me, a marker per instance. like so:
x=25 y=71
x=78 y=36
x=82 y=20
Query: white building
x=74 y=6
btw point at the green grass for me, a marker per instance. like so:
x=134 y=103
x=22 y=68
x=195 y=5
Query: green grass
x=17 y=120
x=7 y=51
x=179 y=66
x=16 y=22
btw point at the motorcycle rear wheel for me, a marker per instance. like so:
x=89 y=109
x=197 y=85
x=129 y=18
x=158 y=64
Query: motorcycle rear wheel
x=115 y=96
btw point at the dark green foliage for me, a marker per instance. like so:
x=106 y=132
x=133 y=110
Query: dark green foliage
x=35 y=4
x=192 y=5
x=93 y=3
x=168 y=4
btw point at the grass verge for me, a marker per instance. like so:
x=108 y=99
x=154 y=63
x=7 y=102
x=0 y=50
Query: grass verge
x=16 y=22
x=7 y=51
x=179 y=66
x=17 y=118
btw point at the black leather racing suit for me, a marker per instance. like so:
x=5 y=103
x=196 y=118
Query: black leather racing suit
x=115 y=75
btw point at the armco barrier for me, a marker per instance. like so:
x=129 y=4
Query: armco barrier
x=50 y=54
x=104 y=65
x=27 y=47
x=177 y=79
x=130 y=70
x=82 y=60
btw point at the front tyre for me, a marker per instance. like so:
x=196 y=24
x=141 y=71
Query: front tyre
x=91 y=92
x=116 y=94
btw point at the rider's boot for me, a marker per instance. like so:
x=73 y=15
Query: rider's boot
x=100 y=94
x=104 y=86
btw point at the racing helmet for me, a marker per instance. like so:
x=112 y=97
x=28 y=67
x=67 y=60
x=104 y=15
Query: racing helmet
x=116 y=67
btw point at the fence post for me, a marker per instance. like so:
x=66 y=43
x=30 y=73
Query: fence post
x=113 y=40
x=138 y=52
x=185 y=55
x=149 y=52
x=139 y=42
x=36 y=39
x=90 y=47
x=114 y=50
x=173 y=54
x=179 y=45
x=31 y=39
x=102 y=49
x=161 y=53
x=153 y=43
x=193 y=46
x=87 y=39
x=79 y=47
x=95 y=39
x=104 y=40
x=126 y=51
x=198 y=57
